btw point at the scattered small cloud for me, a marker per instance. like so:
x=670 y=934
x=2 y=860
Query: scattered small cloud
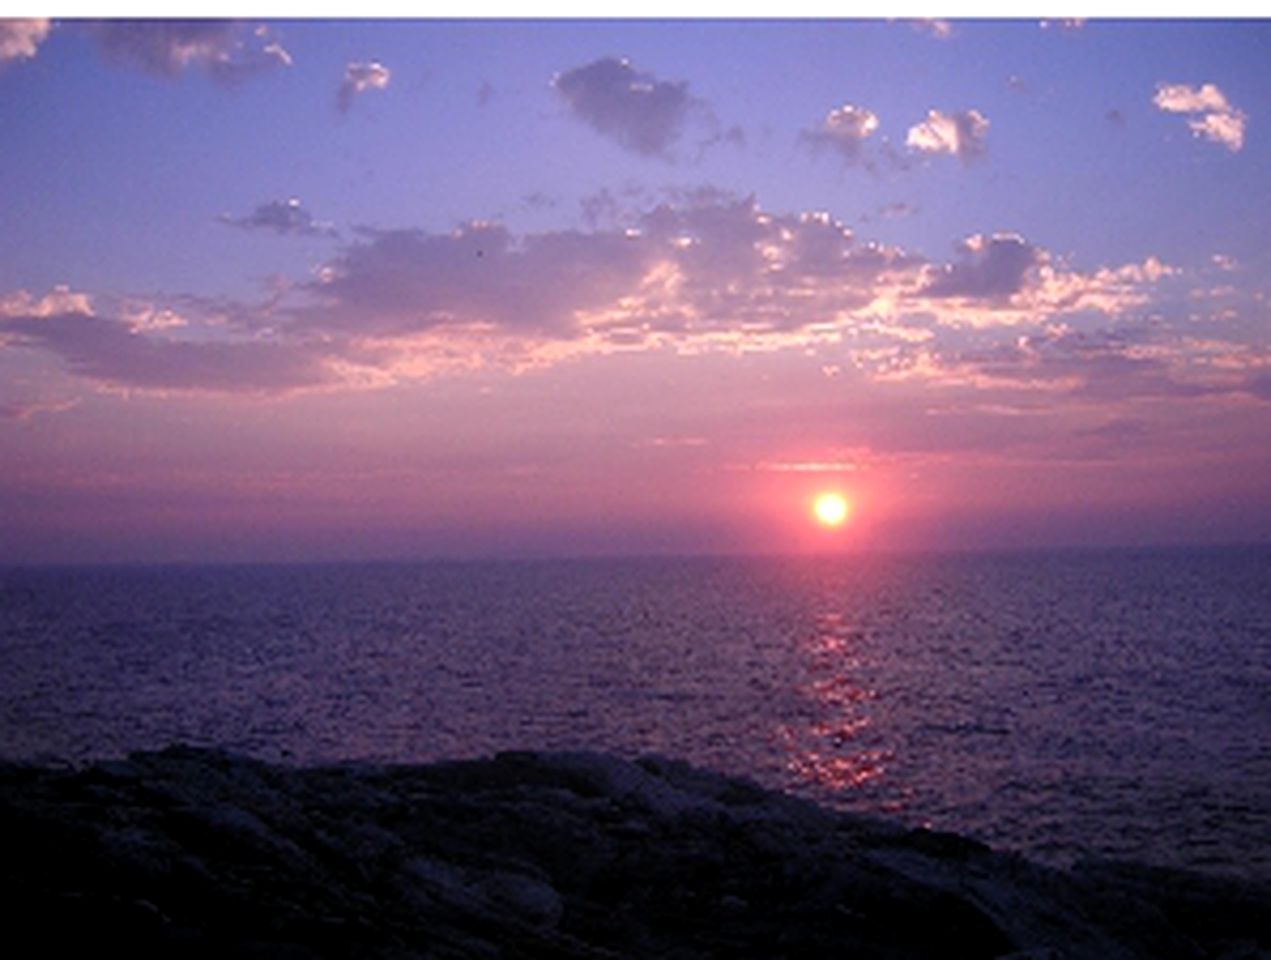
x=358 y=79
x=634 y=109
x=843 y=130
x=1066 y=24
x=283 y=217
x=939 y=29
x=20 y=39
x=229 y=50
x=897 y=211
x=960 y=134
x=1211 y=118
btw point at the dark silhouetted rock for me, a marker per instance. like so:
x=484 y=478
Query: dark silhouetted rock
x=199 y=853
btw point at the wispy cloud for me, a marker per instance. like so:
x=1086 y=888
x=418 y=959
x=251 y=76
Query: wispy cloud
x=1212 y=117
x=25 y=410
x=961 y=134
x=20 y=39
x=229 y=50
x=634 y=109
x=284 y=217
x=358 y=79
x=113 y=351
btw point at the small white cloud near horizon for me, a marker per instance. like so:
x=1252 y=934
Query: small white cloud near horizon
x=20 y=39
x=359 y=78
x=1217 y=121
x=959 y=134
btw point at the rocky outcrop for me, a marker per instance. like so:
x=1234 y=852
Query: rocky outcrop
x=191 y=852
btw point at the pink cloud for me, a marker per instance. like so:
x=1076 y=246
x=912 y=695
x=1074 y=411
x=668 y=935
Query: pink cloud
x=959 y=134
x=20 y=39
x=1212 y=117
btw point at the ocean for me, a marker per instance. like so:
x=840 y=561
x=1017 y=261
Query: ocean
x=1062 y=704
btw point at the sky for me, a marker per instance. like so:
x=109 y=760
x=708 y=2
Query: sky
x=320 y=290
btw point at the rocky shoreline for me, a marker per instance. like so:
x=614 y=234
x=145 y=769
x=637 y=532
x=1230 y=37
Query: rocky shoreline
x=194 y=852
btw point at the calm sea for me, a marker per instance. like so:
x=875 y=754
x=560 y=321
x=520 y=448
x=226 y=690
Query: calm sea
x=1117 y=703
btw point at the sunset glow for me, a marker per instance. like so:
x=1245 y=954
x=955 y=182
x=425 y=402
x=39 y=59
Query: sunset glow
x=316 y=290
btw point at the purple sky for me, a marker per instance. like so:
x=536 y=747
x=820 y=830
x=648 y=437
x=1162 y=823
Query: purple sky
x=324 y=290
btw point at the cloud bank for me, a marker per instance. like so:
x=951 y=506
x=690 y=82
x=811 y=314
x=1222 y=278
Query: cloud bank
x=705 y=272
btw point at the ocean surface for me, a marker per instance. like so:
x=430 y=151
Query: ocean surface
x=1061 y=704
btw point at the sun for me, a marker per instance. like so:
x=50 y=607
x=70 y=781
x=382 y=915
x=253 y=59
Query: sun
x=831 y=509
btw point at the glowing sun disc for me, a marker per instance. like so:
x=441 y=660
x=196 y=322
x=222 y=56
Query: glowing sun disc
x=830 y=509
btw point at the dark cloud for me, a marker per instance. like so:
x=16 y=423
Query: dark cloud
x=229 y=50
x=282 y=217
x=110 y=352
x=990 y=268
x=635 y=109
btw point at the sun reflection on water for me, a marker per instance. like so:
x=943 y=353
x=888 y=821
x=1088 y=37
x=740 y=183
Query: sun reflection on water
x=829 y=751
